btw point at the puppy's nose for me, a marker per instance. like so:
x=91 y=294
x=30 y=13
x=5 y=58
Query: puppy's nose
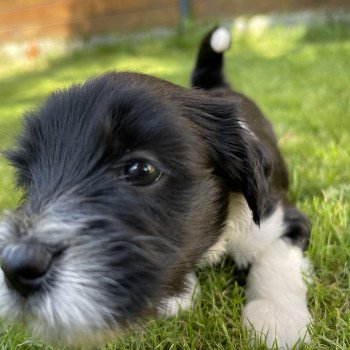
x=24 y=265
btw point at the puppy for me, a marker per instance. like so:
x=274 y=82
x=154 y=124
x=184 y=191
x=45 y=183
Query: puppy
x=129 y=183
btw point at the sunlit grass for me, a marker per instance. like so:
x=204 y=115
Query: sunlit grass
x=300 y=78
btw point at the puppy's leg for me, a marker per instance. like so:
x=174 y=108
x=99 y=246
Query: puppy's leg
x=276 y=306
x=276 y=295
x=184 y=301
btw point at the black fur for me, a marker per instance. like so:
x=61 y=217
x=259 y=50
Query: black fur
x=208 y=72
x=267 y=154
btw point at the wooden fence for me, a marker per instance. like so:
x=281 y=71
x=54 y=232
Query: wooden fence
x=22 y=20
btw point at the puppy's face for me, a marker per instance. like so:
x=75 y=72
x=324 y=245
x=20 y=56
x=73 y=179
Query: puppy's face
x=126 y=181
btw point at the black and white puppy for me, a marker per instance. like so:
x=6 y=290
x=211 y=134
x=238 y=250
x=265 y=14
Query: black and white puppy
x=129 y=183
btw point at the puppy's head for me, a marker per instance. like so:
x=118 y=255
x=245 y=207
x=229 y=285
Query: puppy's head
x=126 y=181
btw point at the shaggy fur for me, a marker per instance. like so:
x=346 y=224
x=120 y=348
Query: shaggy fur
x=129 y=183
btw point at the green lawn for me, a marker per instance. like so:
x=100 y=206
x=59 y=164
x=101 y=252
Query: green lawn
x=300 y=77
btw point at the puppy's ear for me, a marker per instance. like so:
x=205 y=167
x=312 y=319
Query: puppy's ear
x=236 y=154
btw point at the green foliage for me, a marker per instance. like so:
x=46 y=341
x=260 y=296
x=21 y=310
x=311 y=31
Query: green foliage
x=300 y=78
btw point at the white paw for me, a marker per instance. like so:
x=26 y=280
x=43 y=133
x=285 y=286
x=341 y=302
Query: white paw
x=277 y=324
x=184 y=301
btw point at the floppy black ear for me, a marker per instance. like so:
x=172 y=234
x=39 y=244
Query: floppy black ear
x=236 y=154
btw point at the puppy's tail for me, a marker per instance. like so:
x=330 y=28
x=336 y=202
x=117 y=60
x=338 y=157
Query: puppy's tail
x=208 y=71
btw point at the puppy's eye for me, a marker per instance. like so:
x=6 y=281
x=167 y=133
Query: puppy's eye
x=141 y=172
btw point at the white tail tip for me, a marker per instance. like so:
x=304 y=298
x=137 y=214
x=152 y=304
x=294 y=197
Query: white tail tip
x=220 y=40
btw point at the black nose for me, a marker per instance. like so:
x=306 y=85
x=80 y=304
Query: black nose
x=24 y=265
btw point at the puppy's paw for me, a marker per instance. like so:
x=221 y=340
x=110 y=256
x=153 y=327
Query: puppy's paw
x=280 y=325
x=184 y=301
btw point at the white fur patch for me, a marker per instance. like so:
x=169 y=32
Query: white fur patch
x=10 y=303
x=239 y=219
x=183 y=301
x=246 y=239
x=6 y=233
x=220 y=40
x=74 y=310
x=276 y=308
x=276 y=295
x=216 y=252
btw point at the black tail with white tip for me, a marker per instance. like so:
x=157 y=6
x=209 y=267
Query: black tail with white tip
x=208 y=71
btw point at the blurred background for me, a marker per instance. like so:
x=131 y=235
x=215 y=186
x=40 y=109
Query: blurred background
x=31 y=27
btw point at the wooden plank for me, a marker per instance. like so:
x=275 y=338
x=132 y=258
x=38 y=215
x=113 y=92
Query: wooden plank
x=58 y=11
x=74 y=17
x=86 y=26
x=28 y=19
x=125 y=22
x=206 y=9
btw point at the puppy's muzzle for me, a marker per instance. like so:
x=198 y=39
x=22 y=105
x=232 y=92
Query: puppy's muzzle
x=25 y=265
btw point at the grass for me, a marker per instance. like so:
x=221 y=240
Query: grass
x=300 y=78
